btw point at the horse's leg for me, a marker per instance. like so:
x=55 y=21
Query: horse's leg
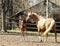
x=38 y=27
x=22 y=32
x=38 y=32
x=25 y=30
x=46 y=33
x=54 y=29
x=46 y=37
x=41 y=36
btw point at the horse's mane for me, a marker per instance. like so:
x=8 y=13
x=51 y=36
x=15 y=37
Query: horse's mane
x=36 y=15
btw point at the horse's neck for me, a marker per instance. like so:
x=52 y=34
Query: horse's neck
x=41 y=20
x=21 y=18
x=37 y=16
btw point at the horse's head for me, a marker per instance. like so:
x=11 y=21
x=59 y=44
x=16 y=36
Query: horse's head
x=32 y=17
x=28 y=16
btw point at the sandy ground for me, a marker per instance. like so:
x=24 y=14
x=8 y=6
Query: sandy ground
x=18 y=40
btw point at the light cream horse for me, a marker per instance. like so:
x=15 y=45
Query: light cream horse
x=43 y=24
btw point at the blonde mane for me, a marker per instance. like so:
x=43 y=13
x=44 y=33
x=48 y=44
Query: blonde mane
x=38 y=16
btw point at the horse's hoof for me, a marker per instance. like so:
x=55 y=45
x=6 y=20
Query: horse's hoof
x=41 y=41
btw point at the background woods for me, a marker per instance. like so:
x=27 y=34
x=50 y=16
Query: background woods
x=11 y=7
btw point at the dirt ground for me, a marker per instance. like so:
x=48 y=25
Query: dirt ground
x=29 y=40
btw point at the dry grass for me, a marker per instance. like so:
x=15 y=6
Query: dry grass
x=29 y=40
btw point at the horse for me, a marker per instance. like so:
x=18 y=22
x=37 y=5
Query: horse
x=22 y=25
x=20 y=19
x=44 y=25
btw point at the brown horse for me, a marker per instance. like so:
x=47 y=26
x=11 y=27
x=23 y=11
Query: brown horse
x=20 y=20
x=22 y=25
x=43 y=24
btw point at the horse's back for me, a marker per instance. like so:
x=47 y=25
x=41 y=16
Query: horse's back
x=48 y=21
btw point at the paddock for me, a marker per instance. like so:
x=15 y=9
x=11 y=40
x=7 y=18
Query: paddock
x=32 y=39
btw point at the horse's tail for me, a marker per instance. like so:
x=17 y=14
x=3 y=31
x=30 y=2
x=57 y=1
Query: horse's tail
x=50 y=27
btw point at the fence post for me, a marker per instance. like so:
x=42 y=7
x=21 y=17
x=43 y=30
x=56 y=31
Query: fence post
x=47 y=8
